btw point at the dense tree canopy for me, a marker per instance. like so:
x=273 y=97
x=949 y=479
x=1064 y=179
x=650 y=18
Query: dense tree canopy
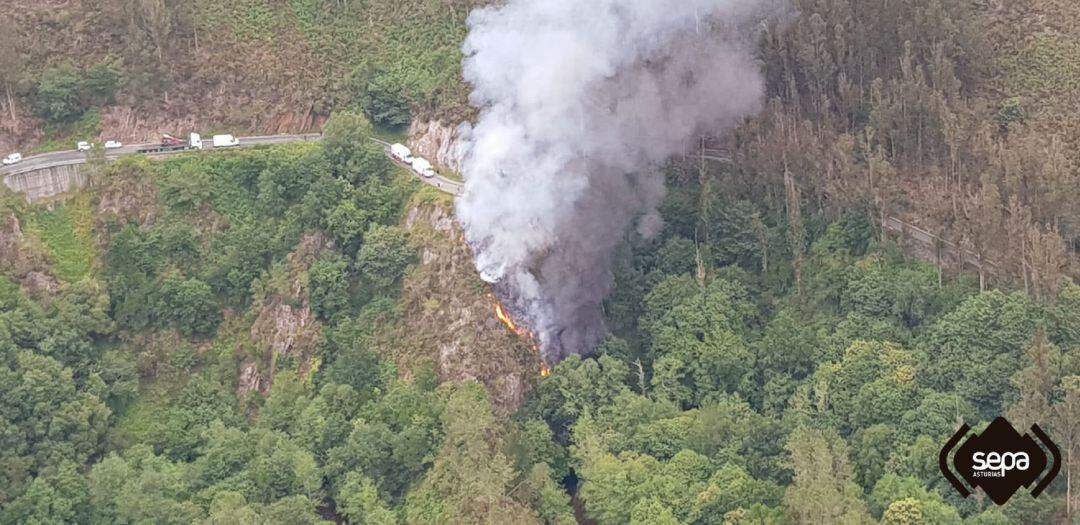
x=218 y=338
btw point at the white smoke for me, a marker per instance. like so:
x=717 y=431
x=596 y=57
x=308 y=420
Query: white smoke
x=580 y=101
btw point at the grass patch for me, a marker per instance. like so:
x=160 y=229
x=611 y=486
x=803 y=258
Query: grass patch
x=67 y=232
x=430 y=195
x=247 y=19
x=144 y=419
x=452 y=175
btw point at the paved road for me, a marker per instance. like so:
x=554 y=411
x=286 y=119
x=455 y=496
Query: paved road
x=933 y=246
x=60 y=158
x=438 y=182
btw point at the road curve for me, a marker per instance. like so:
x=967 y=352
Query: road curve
x=438 y=182
x=61 y=158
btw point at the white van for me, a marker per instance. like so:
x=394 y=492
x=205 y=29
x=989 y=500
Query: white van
x=400 y=152
x=225 y=141
x=422 y=167
x=12 y=159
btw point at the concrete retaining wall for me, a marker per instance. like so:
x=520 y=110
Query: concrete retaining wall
x=47 y=182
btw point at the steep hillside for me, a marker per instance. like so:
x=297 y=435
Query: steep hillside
x=297 y=334
x=930 y=112
x=450 y=314
x=294 y=306
x=1040 y=58
x=132 y=69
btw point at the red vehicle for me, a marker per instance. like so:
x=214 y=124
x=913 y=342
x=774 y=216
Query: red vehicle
x=170 y=143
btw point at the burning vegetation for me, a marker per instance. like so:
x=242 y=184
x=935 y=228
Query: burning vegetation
x=524 y=333
x=557 y=164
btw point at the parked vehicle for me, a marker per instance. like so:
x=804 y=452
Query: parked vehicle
x=113 y=144
x=12 y=159
x=402 y=153
x=84 y=146
x=225 y=141
x=170 y=143
x=422 y=167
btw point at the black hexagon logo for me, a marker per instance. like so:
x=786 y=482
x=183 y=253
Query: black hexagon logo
x=1000 y=461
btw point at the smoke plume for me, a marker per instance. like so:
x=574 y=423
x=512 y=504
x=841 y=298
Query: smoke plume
x=580 y=103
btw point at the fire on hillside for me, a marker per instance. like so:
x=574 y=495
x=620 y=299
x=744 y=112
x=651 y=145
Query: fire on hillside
x=528 y=335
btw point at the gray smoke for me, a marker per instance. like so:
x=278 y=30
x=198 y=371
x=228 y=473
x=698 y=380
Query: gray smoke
x=580 y=102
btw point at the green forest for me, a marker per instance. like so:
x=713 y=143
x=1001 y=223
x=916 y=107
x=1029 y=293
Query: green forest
x=251 y=336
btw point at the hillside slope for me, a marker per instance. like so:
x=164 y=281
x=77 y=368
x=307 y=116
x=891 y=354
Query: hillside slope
x=309 y=310
x=133 y=69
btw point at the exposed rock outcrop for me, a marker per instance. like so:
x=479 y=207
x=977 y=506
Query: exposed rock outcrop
x=286 y=324
x=436 y=141
x=450 y=318
x=128 y=194
x=22 y=259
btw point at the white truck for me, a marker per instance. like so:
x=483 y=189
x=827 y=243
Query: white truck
x=12 y=159
x=422 y=167
x=400 y=152
x=225 y=141
x=170 y=143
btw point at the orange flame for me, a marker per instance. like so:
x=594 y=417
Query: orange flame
x=521 y=332
x=506 y=319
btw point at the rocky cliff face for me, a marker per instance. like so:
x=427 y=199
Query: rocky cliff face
x=22 y=258
x=450 y=315
x=286 y=324
x=436 y=141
